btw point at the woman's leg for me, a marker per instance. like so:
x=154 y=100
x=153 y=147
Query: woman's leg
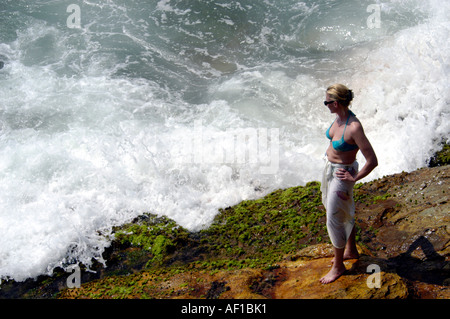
x=351 y=252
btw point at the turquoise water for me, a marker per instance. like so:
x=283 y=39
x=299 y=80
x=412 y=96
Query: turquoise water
x=182 y=107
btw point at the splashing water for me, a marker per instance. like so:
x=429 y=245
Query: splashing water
x=176 y=108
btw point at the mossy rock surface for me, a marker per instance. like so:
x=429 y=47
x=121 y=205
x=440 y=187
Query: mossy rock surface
x=253 y=232
x=441 y=158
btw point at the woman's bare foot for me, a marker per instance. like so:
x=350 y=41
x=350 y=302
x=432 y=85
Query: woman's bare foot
x=333 y=274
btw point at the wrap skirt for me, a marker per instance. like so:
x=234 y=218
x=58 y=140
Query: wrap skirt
x=337 y=197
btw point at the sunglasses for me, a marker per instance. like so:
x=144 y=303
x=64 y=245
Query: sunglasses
x=328 y=102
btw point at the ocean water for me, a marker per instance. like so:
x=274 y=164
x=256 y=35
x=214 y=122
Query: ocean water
x=113 y=108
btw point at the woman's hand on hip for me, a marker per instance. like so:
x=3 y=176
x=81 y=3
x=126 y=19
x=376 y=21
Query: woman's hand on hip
x=344 y=175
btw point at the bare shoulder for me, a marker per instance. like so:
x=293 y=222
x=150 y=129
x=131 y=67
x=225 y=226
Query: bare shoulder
x=358 y=135
x=355 y=125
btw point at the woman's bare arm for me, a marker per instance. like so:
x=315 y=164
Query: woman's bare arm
x=368 y=152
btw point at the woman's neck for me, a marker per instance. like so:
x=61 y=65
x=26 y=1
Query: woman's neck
x=342 y=115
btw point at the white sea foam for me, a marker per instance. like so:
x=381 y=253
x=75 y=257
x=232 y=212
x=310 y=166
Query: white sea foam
x=91 y=139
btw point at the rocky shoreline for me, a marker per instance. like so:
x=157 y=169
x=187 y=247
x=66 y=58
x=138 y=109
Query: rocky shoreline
x=277 y=247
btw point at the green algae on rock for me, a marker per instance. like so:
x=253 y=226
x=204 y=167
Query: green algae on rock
x=279 y=223
x=441 y=158
x=253 y=232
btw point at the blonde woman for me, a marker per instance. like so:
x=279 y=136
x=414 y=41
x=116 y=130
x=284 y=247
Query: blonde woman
x=341 y=171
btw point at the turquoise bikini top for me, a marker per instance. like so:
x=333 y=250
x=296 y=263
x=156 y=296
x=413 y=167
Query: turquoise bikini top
x=341 y=145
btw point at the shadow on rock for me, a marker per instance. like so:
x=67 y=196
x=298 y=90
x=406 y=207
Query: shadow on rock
x=420 y=273
x=434 y=269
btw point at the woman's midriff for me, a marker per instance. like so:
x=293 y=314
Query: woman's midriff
x=337 y=157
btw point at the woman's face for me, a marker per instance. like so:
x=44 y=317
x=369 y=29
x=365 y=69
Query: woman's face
x=332 y=106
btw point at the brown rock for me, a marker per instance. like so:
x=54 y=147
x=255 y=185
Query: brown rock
x=411 y=227
x=302 y=281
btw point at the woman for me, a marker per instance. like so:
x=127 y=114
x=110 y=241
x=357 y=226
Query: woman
x=347 y=137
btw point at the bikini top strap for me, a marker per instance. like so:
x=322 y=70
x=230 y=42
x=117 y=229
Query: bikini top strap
x=350 y=113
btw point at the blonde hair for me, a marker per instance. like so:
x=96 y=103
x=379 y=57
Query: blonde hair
x=340 y=93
